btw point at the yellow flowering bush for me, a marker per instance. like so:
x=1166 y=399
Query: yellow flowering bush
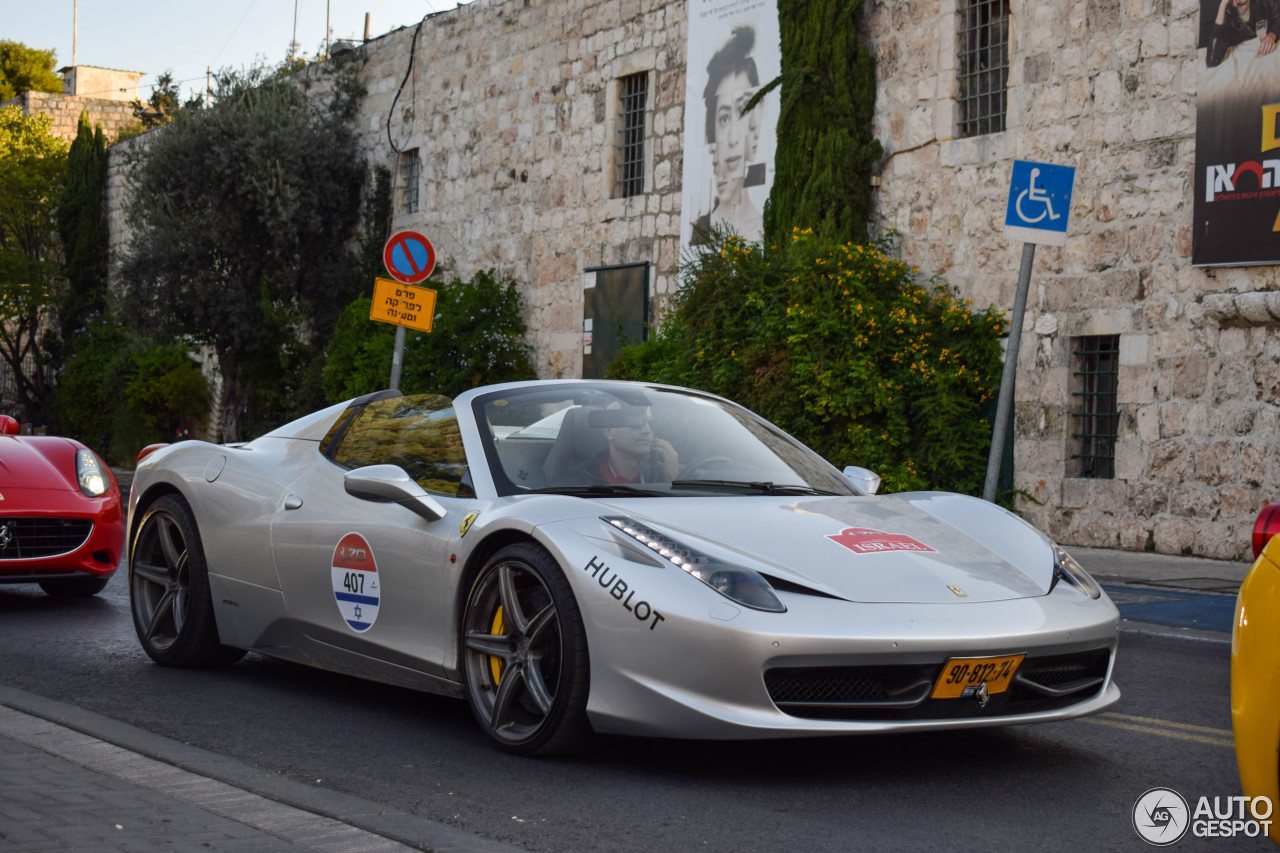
x=843 y=346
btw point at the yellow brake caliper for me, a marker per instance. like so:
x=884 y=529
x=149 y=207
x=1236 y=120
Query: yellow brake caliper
x=499 y=628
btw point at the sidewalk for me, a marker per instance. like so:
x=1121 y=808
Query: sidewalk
x=1190 y=574
x=72 y=780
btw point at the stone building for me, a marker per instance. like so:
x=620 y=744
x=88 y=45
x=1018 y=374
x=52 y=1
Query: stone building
x=108 y=95
x=1109 y=87
x=500 y=122
x=503 y=143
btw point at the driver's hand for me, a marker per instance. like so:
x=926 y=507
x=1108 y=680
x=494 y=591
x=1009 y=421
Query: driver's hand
x=665 y=457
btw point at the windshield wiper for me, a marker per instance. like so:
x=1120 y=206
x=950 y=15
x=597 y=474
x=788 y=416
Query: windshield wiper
x=597 y=490
x=762 y=487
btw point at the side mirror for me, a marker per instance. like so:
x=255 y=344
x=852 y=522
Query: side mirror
x=863 y=479
x=390 y=483
x=8 y=425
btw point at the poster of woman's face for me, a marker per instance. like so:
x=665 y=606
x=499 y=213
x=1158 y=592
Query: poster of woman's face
x=728 y=166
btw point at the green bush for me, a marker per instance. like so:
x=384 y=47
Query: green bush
x=90 y=383
x=477 y=338
x=117 y=393
x=838 y=344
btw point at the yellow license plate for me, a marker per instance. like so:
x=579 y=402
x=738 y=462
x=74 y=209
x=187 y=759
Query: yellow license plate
x=965 y=676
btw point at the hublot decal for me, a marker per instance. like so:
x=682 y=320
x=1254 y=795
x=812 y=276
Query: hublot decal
x=618 y=588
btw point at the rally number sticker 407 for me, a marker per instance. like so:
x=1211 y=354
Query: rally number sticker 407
x=355 y=582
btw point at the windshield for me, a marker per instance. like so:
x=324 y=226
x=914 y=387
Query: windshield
x=632 y=440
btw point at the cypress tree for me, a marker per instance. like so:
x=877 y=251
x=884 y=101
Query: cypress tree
x=825 y=147
x=83 y=228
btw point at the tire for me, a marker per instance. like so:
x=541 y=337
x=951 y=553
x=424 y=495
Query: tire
x=528 y=677
x=74 y=587
x=169 y=590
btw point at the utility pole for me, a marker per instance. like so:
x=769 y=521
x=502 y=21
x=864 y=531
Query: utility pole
x=75 y=25
x=326 y=28
x=208 y=84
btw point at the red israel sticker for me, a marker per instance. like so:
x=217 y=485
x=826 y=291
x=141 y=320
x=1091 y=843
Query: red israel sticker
x=864 y=540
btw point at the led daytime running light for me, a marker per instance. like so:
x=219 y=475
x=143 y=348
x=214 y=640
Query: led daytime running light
x=738 y=584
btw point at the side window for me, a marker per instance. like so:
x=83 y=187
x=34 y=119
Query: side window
x=409 y=168
x=418 y=433
x=633 y=97
x=984 y=66
x=1095 y=375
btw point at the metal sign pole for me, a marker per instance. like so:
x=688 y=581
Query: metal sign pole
x=397 y=359
x=1010 y=376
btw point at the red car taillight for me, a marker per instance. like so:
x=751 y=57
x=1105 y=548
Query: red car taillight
x=1267 y=525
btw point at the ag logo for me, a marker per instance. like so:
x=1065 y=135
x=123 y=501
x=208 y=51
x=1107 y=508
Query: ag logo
x=1161 y=816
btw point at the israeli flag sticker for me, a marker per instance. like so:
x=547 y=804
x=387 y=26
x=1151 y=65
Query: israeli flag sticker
x=355 y=582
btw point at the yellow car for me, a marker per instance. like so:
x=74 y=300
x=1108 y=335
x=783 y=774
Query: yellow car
x=1255 y=668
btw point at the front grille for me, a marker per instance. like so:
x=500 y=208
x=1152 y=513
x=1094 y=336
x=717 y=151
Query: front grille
x=1059 y=675
x=38 y=536
x=901 y=692
x=804 y=691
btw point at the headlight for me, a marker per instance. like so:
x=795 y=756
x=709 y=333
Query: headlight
x=93 y=480
x=1066 y=568
x=736 y=583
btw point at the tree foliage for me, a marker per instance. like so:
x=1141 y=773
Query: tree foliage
x=825 y=146
x=32 y=168
x=239 y=214
x=164 y=104
x=83 y=228
x=839 y=345
x=477 y=338
x=26 y=69
x=118 y=392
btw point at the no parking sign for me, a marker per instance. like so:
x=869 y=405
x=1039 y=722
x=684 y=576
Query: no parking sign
x=409 y=257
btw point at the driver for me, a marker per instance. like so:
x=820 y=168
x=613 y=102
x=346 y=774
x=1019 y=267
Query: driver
x=634 y=455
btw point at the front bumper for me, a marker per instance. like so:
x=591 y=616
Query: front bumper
x=1255 y=680
x=672 y=658
x=48 y=534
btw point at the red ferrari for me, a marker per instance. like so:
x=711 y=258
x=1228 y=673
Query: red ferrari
x=61 y=518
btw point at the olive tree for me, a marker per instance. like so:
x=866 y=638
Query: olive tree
x=239 y=215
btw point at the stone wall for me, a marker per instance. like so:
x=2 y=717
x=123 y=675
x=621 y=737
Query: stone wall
x=113 y=115
x=1107 y=86
x=511 y=106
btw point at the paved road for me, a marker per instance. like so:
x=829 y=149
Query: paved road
x=414 y=769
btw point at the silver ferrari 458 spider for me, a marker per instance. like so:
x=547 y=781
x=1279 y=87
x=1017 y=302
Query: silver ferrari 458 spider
x=581 y=558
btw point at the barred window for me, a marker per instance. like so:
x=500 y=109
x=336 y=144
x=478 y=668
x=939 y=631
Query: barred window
x=633 y=95
x=408 y=181
x=984 y=65
x=1096 y=368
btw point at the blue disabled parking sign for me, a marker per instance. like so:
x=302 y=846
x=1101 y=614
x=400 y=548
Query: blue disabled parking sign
x=1039 y=202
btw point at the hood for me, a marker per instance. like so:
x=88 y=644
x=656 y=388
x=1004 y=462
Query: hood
x=907 y=548
x=37 y=462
